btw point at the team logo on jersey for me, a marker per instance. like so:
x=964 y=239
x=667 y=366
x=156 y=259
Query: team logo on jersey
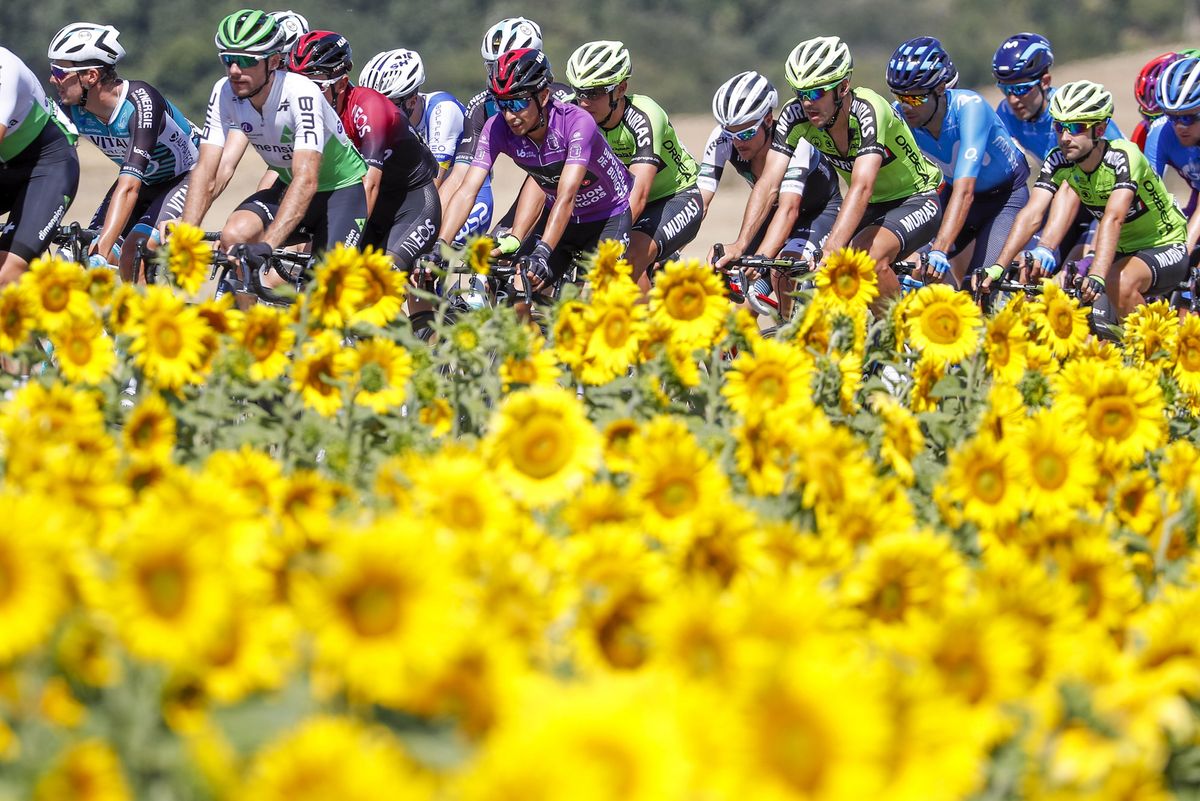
x=246 y=127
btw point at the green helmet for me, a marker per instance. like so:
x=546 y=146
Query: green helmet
x=599 y=64
x=1081 y=101
x=250 y=31
x=818 y=62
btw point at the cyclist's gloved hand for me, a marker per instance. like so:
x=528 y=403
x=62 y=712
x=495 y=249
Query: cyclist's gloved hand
x=255 y=254
x=539 y=265
x=508 y=244
x=939 y=262
x=1045 y=256
x=96 y=261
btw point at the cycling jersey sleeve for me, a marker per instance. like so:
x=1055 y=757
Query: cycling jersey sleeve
x=790 y=118
x=307 y=117
x=868 y=129
x=716 y=153
x=10 y=85
x=648 y=135
x=581 y=138
x=490 y=144
x=218 y=114
x=1156 y=153
x=1122 y=172
x=473 y=123
x=375 y=119
x=149 y=114
x=446 y=121
x=803 y=162
x=974 y=125
x=1054 y=171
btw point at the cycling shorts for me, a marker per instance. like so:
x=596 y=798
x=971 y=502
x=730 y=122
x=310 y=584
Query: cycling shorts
x=988 y=223
x=913 y=220
x=811 y=229
x=480 y=217
x=405 y=224
x=36 y=189
x=582 y=237
x=1168 y=267
x=155 y=205
x=672 y=221
x=333 y=217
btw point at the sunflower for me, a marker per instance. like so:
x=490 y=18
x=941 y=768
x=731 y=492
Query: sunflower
x=188 y=257
x=1057 y=470
x=453 y=490
x=570 y=332
x=383 y=289
x=608 y=266
x=58 y=706
x=766 y=449
x=1058 y=320
x=542 y=445
x=1152 y=334
x=58 y=291
x=674 y=480
x=1187 y=355
x=383 y=369
x=905 y=574
x=1120 y=410
x=83 y=351
x=689 y=301
x=536 y=366
x=328 y=757
x=774 y=379
x=87 y=771
x=169 y=345
x=218 y=313
x=150 y=429
x=101 y=286
x=267 y=336
x=438 y=415
x=125 y=310
x=980 y=478
x=618 y=437
x=339 y=288
x=902 y=436
x=1004 y=344
x=320 y=371
x=17 y=317
x=479 y=253
x=942 y=323
x=31 y=584
x=848 y=281
x=925 y=375
x=617 y=326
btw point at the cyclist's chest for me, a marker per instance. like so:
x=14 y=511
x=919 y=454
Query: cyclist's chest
x=111 y=137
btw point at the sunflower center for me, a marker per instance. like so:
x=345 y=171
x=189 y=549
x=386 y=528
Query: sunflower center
x=685 y=302
x=541 y=450
x=793 y=745
x=616 y=328
x=79 y=350
x=168 y=340
x=989 y=483
x=1112 y=418
x=769 y=384
x=262 y=343
x=675 y=496
x=1062 y=320
x=164 y=586
x=941 y=324
x=845 y=284
x=1189 y=355
x=373 y=608
x=55 y=297
x=6 y=579
x=1049 y=470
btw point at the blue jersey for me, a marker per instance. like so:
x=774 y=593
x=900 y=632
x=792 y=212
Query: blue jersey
x=1037 y=135
x=1164 y=150
x=441 y=125
x=147 y=135
x=973 y=143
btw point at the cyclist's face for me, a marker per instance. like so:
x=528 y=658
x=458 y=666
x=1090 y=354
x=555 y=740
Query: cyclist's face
x=820 y=111
x=749 y=148
x=1076 y=147
x=1188 y=135
x=523 y=121
x=1030 y=104
x=70 y=85
x=245 y=81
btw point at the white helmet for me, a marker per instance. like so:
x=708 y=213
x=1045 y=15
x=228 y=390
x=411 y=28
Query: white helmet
x=395 y=73
x=746 y=97
x=294 y=26
x=818 y=62
x=510 y=34
x=87 y=43
x=601 y=63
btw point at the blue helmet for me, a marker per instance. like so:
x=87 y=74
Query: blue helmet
x=1178 y=87
x=1024 y=57
x=918 y=65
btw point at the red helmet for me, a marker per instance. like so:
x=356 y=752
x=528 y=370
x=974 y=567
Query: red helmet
x=321 y=54
x=524 y=71
x=1147 y=82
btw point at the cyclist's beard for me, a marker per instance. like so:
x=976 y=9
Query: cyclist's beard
x=612 y=109
x=837 y=109
x=261 y=86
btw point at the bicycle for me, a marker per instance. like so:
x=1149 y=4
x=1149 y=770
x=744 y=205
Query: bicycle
x=75 y=240
x=235 y=275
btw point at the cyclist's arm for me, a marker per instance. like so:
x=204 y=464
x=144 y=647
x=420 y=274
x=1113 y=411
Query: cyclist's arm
x=643 y=178
x=782 y=223
x=147 y=120
x=456 y=211
x=854 y=204
x=564 y=204
x=1028 y=220
x=120 y=205
x=530 y=203
x=445 y=129
x=1108 y=231
x=3 y=131
x=200 y=192
x=716 y=154
x=306 y=165
x=1193 y=229
x=235 y=147
x=962 y=195
x=762 y=198
x=371 y=186
x=452 y=181
x=1063 y=211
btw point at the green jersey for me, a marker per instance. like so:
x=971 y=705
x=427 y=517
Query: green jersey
x=875 y=128
x=645 y=136
x=1153 y=219
x=24 y=108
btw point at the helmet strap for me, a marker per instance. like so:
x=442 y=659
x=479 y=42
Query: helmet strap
x=541 y=114
x=613 y=102
x=837 y=110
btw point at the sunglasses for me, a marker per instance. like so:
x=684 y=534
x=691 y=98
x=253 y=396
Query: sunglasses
x=59 y=73
x=1018 y=89
x=514 y=105
x=747 y=134
x=1073 y=128
x=912 y=100
x=1183 y=119
x=242 y=61
x=324 y=83
x=815 y=93
x=591 y=93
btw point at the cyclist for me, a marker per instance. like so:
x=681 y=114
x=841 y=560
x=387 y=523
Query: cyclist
x=146 y=135
x=39 y=168
x=1140 y=237
x=298 y=134
x=807 y=196
x=437 y=116
x=294 y=26
x=404 y=212
x=960 y=133
x=891 y=208
x=1145 y=92
x=1174 y=139
x=560 y=146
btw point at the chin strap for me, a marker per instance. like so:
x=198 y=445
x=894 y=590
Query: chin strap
x=541 y=116
x=262 y=86
x=612 y=109
x=837 y=110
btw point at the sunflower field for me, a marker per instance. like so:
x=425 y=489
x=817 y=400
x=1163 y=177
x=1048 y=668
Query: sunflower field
x=640 y=553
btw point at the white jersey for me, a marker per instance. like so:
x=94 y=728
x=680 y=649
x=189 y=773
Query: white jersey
x=24 y=107
x=720 y=150
x=441 y=125
x=295 y=117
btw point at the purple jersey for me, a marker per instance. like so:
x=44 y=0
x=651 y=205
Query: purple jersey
x=572 y=137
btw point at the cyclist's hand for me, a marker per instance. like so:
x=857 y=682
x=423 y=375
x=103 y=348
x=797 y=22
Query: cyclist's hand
x=1092 y=288
x=254 y=254
x=732 y=251
x=986 y=277
x=938 y=265
x=538 y=267
x=1045 y=263
x=506 y=245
